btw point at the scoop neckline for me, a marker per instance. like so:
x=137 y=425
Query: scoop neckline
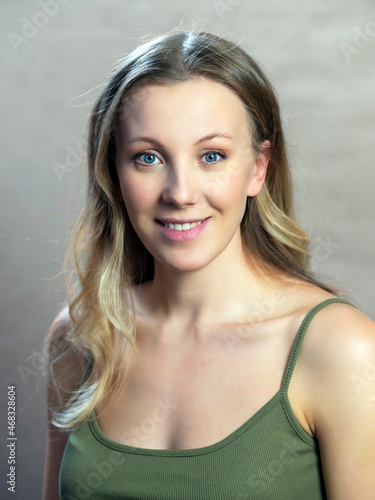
x=280 y=397
x=100 y=436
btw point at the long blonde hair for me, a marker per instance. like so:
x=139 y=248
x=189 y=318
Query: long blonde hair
x=108 y=255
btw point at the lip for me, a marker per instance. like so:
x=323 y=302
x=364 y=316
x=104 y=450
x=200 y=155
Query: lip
x=171 y=220
x=189 y=234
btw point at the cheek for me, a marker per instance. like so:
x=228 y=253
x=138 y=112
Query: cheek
x=228 y=190
x=136 y=193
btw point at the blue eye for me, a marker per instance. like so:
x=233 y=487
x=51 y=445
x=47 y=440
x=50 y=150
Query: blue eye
x=213 y=154
x=148 y=158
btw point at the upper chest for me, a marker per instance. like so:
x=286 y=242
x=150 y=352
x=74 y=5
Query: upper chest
x=191 y=396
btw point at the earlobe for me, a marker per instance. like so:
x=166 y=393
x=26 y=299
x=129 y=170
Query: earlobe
x=260 y=171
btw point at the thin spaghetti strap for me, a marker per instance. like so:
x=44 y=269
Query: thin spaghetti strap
x=300 y=336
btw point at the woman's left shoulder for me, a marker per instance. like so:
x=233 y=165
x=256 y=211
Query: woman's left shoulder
x=336 y=327
x=337 y=357
x=340 y=343
x=339 y=371
x=343 y=329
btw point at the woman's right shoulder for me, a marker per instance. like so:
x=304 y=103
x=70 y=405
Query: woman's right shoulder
x=57 y=341
x=65 y=368
x=66 y=363
x=59 y=328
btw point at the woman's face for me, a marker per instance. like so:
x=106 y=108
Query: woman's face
x=184 y=155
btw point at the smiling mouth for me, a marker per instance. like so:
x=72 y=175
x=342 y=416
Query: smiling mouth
x=180 y=227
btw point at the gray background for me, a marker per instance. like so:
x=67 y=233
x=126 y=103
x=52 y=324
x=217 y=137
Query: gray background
x=316 y=53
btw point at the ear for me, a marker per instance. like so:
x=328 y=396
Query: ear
x=260 y=170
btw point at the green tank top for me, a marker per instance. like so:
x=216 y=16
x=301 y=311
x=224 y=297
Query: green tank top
x=269 y=457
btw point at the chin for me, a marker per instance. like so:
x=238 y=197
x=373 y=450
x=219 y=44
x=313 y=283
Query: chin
x=183 y=264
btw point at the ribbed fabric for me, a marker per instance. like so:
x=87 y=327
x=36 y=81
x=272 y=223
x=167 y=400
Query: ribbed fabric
x=269 y=457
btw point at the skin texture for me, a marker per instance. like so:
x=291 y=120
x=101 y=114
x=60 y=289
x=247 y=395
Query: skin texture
x=203 y=291
x=335 y=381
x=181 y=183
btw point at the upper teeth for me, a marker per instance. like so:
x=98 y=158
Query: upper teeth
x=181 y=227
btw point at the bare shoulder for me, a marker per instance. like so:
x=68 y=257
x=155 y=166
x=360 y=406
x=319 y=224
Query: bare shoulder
x=339 y=377
x=335 y=388
x=336 y=367
x=66 y=364
x=64 y=373
x=340 y=336
x=57 y=334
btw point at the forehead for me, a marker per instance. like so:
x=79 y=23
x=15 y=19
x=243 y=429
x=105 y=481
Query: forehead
x=191 y=108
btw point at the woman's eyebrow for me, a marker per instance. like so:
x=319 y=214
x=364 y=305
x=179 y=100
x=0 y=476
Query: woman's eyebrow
x=199 y=141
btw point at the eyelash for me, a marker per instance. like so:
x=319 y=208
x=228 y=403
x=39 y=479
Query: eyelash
x=213 y=151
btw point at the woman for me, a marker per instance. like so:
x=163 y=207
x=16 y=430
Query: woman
x=182 y=368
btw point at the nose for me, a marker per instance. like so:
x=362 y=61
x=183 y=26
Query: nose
x=181 y=186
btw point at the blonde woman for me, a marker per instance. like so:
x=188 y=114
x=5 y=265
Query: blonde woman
x=199 y=357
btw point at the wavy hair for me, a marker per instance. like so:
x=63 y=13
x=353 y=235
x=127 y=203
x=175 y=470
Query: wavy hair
x=109 y=257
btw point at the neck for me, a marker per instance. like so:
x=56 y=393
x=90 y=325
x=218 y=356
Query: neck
x=223 y=291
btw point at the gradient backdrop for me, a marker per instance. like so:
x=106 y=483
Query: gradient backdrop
x=54 y=53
